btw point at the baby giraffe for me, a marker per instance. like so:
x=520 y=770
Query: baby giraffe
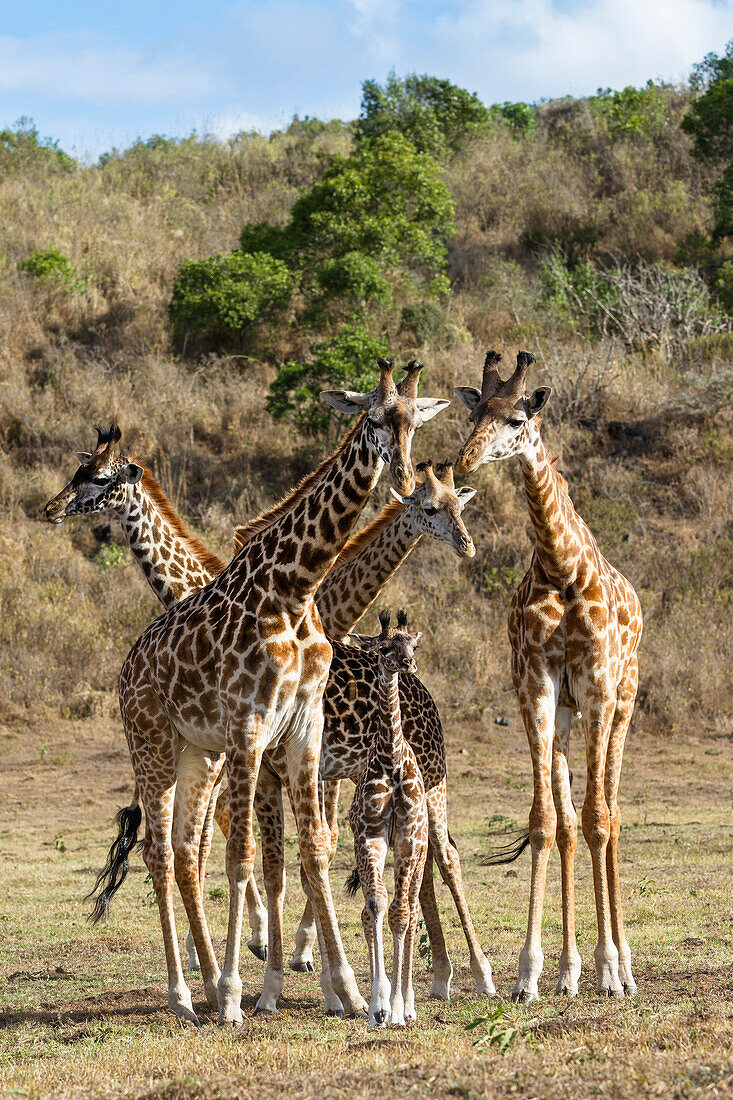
x=389 y=808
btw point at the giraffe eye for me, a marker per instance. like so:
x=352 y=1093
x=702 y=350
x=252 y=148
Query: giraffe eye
x=516 y=423
x=429 y=510
x=101 y=480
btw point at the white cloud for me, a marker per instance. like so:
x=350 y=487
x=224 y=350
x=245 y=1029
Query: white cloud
x=87 y=66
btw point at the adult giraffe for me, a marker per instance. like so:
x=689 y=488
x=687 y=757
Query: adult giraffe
x=574 y=626
x=240 y=666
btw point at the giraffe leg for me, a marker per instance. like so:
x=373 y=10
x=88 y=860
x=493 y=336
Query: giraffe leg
x=204 y=852
x=256 y=912
x=619 y=729
x=442 y=969
x=538 y=714
x=302 y=957
x=154 y=754
x=406 y=858
x=449 y=865
x=197 y=775
x=269 y=809
x=371 y=853
x=408 y=990
x=244 y=754
x=567 y=840
x=303 y=755
x=596 y=817
x=332 y=1004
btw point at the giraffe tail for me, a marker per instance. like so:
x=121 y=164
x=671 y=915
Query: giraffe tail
x=114 y=872
x=353 y=883
x=507 y=853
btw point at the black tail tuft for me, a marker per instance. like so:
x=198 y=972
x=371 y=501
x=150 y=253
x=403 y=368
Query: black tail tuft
x=452 y=842
x=353 y=883
x=114 y=872
x=507 y=853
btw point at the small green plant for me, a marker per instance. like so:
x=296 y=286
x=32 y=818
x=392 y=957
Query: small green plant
x=111 y=556
x=218 y=302
x=43 y=751
x=647 y=886
x=59 y=842
x=52 y=267
x=501 y=1029
x=150 y=898
x=218 y=893
x=347 y=361
x=424 y=949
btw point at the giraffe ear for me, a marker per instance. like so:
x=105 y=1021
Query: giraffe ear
x=537 y=401
x=465 y=493
x=84 y=457
x=468 y=395
x=346 y=401
x=132 y=473
x=362 y=640
x=431 y=406
x=396 y=495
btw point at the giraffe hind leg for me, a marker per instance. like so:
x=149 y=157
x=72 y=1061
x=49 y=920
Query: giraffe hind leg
x=256 y=911
x=567 y=840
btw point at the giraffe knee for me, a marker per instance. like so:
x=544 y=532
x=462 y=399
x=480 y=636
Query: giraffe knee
x=542 y=824
x=596 y=825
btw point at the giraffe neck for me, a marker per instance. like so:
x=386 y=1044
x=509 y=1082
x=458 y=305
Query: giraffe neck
x=363 y=568
x=173 y=563
x=295 y=543
x=557 y=527
x=389 y=743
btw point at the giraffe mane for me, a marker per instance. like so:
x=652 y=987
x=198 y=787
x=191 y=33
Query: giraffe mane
x=367 y=534
x=244 y=533
x=209 y=561
x=558 y=476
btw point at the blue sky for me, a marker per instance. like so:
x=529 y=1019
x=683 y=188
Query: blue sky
x=100 y=74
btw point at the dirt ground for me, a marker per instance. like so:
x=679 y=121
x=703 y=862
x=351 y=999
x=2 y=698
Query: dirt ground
x=83 y=1012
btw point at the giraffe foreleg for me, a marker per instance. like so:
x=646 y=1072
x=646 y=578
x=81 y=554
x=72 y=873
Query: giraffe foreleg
x=197 y=775
x=302 y=957
x=449 y=865
x=371 y=853
x=409 y=855
x=596 y=817
x=244 y=754
x=256 y=911
x=538 y=713
x=408 y=990
x=567 y=840
x=204 y=852
x=303 y=754
x=621 y=721
x=269 y=809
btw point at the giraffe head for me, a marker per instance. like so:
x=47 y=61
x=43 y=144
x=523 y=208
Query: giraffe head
x=395 y=646
x=502 y=413
x=393 y=412
x=100 y=484
x=436 y=506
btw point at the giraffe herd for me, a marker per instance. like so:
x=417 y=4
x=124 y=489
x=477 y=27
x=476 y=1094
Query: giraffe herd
x=248 y=674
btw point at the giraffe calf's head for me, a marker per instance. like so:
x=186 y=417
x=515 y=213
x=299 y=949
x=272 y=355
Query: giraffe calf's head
x=395 y=646
x=394 y=412
x=100 y=483
x=501 y=413
x=436 y=506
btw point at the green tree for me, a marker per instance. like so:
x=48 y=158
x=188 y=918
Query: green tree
x=219 y=301
x=22 y=150
x=641 y=111
x=710 y=125
x=380 y=214
x=435 y=115
x=347 y=361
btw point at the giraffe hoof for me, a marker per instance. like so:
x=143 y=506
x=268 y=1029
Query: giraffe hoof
x=380 y=1018
x=524 y=997
x=265 y=1011
x=302 y=967
x=338 y=1012
x=258 y=951
x=611 y=993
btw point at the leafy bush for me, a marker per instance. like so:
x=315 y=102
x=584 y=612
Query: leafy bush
x=23 y=151
x=723 y=284
x=710 y=125
x=54 y=268
x=639 y=111
x=219 y=301
x=423 y=319
x=348 y=361
x=354 y=278
x=434 y=115
x=521 y=118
